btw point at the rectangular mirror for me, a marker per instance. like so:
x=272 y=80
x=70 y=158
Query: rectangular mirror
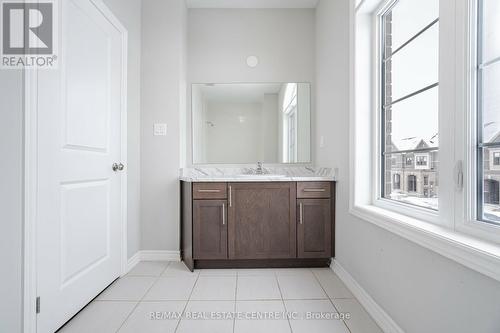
x=245 y=123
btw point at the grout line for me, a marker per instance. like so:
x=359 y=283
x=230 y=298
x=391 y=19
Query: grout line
x=338 y=311
x=333 y=304
x=187 y=302
x=157 y=278
x=283 y=300
x=235 y=300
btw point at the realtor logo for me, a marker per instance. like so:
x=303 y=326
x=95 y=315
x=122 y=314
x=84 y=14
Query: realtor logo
x=28 y=34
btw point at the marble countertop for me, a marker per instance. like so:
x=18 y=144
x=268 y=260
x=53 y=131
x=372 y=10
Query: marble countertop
x=271 y=174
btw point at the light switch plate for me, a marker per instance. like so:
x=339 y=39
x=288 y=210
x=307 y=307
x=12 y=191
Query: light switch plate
x=160 y=130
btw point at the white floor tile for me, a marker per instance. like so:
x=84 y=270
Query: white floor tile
x=207 y=317
x=318 y=316
x=293 y=271
x=174 y=288
x=148 y=268
x=300 y=287
x=360 y=321
x=215 y=288
x=128 y=288
x=178 y=268
x=154 y=317
x=332 y=284
x=250 y=309
x=257 y=288
x=218 y=272
x=99 y=317
x=256 y=272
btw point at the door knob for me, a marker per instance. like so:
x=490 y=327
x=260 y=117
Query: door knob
x=117 y=167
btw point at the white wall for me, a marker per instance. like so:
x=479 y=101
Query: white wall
x=11 y=199
x=420 y=289
x=163 y=101
x=128 y=12
x=220 y=40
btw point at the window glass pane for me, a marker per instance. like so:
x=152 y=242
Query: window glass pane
x=410 y=126
x=413 y=123
x=491 y=29
x=411 y=16
x=491 y=102
x=409 y=183
x=491 y=188
x=489 y=111
x=416 y=65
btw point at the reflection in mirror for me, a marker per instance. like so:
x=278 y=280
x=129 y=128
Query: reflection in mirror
x=245 y=123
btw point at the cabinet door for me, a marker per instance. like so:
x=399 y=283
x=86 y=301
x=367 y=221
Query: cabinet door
x=314 y=228
x=209 y=229
x=262 y=220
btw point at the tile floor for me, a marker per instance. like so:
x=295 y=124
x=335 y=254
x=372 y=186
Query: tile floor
x=166 y=297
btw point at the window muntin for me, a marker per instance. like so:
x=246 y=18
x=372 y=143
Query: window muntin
x=410 y=107
x=488 y=111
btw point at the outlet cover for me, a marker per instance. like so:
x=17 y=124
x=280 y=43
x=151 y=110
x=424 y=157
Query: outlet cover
x=160 y=130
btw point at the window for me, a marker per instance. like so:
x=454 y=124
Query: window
x=496 y=159
x=397 y=181
x=409 y=95
x=412 y=183
x=488 y=110
x=422 y=160
x=457 y=138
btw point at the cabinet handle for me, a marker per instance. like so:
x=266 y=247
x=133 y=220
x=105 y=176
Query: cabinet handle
x=301 y=216
x=223 y=214
x=230 y=197
x=209 y=191
x=314 y=190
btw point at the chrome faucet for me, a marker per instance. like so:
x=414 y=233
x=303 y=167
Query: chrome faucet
x=259 y=170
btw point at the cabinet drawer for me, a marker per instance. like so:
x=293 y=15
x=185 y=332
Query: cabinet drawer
x=313 y=190
x=209 y=191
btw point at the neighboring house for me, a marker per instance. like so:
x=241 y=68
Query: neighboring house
x=492 y=174
x=414 y=173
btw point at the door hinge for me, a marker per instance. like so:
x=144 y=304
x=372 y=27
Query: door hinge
x=38 y=304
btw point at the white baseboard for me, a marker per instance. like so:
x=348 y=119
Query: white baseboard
x=386 y=323
x=151 y=255
x=134 y=260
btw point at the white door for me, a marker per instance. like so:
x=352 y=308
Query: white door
x=79 y=195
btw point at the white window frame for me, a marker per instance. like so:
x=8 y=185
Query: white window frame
x=414 y=211
x=453 y=231
x=467 y=221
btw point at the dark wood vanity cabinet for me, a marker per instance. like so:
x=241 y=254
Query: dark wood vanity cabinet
x=257 y=224
x=262 y=220
x=314 y=228
x=209 y=229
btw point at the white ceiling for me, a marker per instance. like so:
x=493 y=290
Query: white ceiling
x=252 y=3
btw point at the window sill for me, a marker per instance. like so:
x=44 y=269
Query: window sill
x=474 y=253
